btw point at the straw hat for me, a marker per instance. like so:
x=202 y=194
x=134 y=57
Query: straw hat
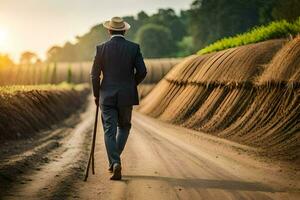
x=116 y=24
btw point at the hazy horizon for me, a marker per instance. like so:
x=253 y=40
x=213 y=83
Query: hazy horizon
x=37 y=25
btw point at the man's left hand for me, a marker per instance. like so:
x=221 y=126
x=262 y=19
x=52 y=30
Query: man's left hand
x=96 y=99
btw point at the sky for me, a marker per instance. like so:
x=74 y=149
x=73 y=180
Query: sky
x=36 y=25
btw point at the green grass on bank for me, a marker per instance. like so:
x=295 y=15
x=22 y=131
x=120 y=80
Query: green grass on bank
x=44 y=87
x=277 y=29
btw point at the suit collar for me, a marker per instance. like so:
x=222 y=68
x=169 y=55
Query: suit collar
x=117 y=37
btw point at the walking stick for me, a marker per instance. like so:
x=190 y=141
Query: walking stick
x=92 y=158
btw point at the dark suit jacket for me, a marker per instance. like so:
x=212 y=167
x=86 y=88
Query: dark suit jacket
x=122 y=66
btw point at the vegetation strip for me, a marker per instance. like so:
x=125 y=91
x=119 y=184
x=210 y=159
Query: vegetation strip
x=277 y=29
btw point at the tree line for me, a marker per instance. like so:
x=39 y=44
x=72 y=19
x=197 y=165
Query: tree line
x=170 y=34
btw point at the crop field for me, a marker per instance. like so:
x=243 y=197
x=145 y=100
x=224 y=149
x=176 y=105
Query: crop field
x=54 y=73
x=156 y=70
x=248 y=94
x=33 y=108
x=42 y=73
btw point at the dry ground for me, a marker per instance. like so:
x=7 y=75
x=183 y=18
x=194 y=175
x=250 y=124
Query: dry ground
x=161 y=161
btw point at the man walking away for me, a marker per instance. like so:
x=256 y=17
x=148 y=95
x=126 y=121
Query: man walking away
x=122 y=67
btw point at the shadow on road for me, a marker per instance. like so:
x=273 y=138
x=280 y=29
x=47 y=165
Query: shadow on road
x=205 y=183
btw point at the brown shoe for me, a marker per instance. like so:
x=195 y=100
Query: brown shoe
x=117 y=175
x=110 y=169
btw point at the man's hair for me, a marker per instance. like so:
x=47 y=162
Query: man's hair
x=112 y=32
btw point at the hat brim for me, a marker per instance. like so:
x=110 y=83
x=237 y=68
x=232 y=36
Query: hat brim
x=107 y=26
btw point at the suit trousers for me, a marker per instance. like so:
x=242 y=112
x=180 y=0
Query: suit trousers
x=116 y=122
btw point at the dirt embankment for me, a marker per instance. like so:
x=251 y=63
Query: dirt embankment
x=27 y=111
x=248 y=94
x=156 y=70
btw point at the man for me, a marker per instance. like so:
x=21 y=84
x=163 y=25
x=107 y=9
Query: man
x=122 y=67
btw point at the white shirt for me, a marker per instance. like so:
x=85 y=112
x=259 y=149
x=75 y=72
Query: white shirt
x=117 y=35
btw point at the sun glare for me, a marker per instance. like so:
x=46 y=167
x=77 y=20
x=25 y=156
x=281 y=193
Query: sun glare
x=3 y=36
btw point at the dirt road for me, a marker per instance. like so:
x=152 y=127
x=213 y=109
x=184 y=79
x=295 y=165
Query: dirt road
x=161 y=161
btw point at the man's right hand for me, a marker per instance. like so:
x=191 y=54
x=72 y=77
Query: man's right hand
x=96 y=99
